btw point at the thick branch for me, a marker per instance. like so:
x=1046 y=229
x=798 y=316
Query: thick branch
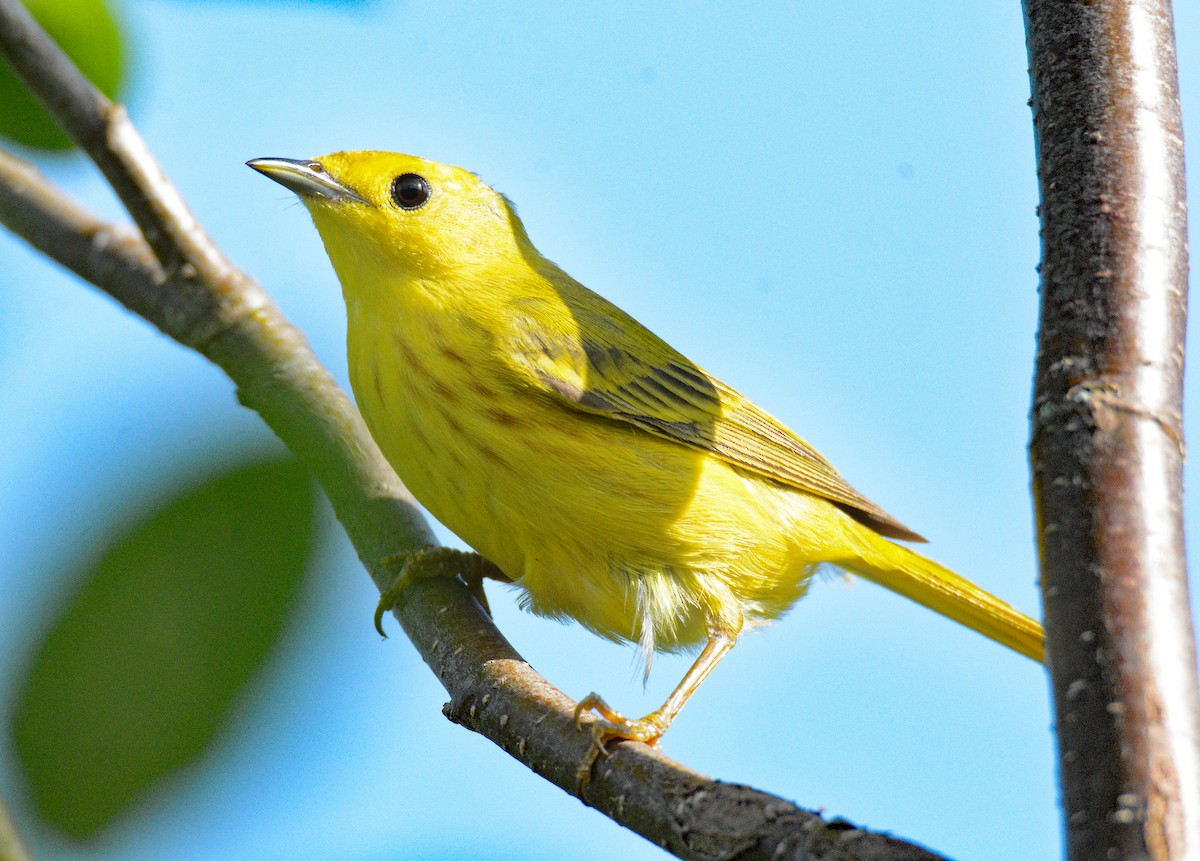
x=1107 y=442
x=494 y=692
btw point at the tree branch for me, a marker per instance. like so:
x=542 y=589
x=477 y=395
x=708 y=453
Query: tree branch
x=182 y=284
x=12 y=848
x=1107 y=443
x=103 y=130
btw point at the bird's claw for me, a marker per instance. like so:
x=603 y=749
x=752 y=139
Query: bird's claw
x=611 y=725
x=434 y=562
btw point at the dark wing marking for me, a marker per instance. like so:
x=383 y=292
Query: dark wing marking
x=612 y=366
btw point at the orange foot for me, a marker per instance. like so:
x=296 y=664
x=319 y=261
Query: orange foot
x=612 y=725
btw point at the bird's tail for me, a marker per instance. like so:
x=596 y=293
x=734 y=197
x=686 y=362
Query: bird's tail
x=941 y=590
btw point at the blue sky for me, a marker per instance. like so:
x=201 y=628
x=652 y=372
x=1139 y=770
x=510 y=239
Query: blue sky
x=830 y=206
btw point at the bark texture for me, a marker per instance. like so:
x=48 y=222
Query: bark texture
x=1107 y=436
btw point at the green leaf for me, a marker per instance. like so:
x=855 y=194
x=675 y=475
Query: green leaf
x=167 y=627
x=87 y=31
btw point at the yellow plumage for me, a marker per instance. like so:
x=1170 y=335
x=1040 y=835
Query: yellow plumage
x=614 y=481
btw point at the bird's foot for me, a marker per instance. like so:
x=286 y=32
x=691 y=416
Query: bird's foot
x=611 y=725
x=435 y=562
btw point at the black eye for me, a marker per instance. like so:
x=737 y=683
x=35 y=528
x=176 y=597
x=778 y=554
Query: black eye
x=410 y=190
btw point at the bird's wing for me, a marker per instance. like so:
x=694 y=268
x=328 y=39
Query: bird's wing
x=593 y=357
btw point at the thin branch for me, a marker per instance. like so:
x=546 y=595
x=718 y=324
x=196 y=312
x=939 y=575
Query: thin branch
x=493 y=690
x=103 y=130
x=12 y=848
x=1107 y=444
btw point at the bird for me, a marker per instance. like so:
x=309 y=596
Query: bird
x=609 y=478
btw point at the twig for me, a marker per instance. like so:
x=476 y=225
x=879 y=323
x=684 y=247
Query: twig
x=12 y=848
x=1107 y=444
x=103 y=130
x=493 y=690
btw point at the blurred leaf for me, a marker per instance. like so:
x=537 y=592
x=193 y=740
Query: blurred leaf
x=166 y=629
x=87 y=31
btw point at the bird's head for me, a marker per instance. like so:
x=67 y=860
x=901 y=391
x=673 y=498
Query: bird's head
x=401 y=213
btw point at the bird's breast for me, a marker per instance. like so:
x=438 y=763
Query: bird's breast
x=582 y=510
x=435 y=405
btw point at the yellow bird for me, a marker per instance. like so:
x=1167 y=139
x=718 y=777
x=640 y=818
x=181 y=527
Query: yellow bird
x=611 y=479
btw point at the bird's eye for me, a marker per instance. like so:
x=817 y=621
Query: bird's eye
x=410 y=190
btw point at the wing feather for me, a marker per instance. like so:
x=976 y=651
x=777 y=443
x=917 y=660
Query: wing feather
x=612 y=366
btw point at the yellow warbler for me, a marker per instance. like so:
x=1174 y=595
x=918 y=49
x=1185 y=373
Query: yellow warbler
x=610 y=478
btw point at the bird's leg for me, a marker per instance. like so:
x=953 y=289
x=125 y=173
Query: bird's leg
x=613 y=725
x=436 y=562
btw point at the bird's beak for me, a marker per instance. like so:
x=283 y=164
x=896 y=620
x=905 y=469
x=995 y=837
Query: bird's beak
x=305 y=177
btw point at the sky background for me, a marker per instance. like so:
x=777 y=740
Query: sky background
x=829 y=206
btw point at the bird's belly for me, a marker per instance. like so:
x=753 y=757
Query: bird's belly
x=635 y=537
